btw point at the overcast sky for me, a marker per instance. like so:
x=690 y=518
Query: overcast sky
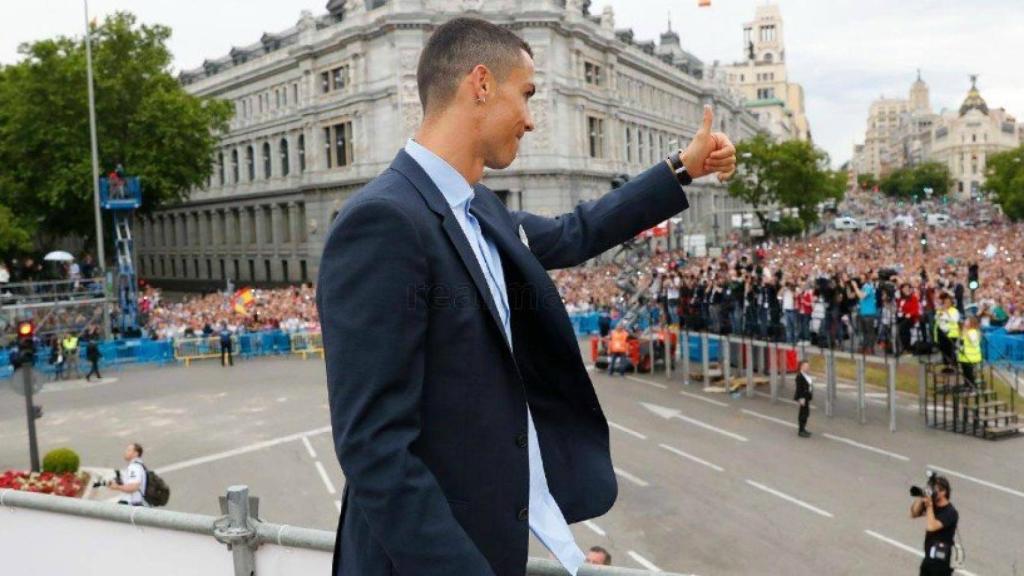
x=844 y=52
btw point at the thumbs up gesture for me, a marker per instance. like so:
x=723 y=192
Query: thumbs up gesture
x=709 y=152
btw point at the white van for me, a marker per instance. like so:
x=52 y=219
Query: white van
x=936 y=219
x=902 y=221
x=870 y=224
x=846 y=223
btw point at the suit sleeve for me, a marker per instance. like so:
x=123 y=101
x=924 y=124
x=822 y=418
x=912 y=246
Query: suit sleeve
x=595 y=226
x=374 y=322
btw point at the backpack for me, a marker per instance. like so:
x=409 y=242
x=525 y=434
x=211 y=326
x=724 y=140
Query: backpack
x=157 y=492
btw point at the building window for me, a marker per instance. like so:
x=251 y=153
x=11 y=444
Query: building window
x=163 y=264
x=209 y=268
x=295 y=94
x=284 y=270
x=303 y=271
x=327 y=146
x=234 y=166
x=250 y=163
x=650 y=147
x=266 y=270
x=266 y=160
x=220 y=167
x=325 y=82
x=195 y=266
x=768 y=33
x=342 y=143
x=302 y=152
x=595 y=129
x=639 y=145
x=592 y=74
x=277 y=98
x=174 y=268
x=629 y=144
x=283 y=147
x=339 y=78
x=252 y=270
x=223 y=270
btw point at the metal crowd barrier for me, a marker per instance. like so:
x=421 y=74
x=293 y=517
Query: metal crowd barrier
x=306 y=343
x=250 y=541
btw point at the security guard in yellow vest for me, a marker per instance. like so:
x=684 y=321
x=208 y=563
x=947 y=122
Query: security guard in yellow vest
x=70 y=346
x=970 y=351
x=947 y=331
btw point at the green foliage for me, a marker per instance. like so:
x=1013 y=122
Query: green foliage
x=145 y=121
x=786 y=226
x=791 y=174
x=911 y=182
x=14 y=236
x=866 y=181
x=61 y=461
x=1004 y=178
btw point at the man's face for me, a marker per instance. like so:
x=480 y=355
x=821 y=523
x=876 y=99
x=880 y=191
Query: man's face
x=129 y=453
x=595 y=557
x=508 y=116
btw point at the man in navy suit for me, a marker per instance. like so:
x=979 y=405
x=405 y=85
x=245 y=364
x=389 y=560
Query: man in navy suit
x=462 y=414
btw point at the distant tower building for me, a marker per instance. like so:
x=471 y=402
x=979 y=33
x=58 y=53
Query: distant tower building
x=919 y=95
x=761 y=78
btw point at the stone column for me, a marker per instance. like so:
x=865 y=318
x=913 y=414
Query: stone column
x=293 y=223
x=216 y=232
x=275 y=225
x=261 y=232
x=243 y=221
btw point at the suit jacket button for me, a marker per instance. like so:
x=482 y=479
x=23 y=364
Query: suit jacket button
x=524 y=514
x=522 y=441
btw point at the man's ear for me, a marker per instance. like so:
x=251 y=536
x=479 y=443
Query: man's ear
x=484 y=85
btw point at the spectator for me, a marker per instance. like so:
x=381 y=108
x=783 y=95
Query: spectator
x=598 y=555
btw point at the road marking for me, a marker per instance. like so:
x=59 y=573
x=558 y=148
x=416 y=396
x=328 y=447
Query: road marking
x=648 y=382
x=790 y=499
x=323 y=476
x=768 y=418
x=337 y=504
x=691 y=457
x=892 y=542
x=643 y=561
x=992 y=485
x=309 y=447
x=704 y=399
x=239 y=451
x=866 y=447
x=631 y=478
x=594 y=527
x=622 y=428
x=669 y=413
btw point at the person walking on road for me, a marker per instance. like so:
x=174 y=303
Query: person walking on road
x=804 y=395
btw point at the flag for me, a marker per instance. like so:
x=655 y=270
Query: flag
x=704 y=3
x=242 y=300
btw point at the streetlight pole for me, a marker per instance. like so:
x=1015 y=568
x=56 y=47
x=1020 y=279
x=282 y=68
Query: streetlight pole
x=101 y=259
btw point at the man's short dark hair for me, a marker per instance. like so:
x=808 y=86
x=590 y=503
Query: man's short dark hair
x=138 y=448
x=943 y=482
x=607 y=556
x=455 y=48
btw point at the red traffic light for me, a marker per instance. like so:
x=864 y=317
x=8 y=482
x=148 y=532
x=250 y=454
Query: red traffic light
x=26 y=329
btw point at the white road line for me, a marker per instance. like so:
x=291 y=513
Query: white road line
x=337 y=504
x=866 y=447
x=892 y=542
x=239 y=451
x=595 y=528
x=992 y=485
x=707 y=426
x=323 y=476
x=691 y=457
x=643 y=561
x=631 y=478
x=622 y=428
x=309 y=447
x=648 y=382
x=704 y=399
x=768 y=418
x=790 y=499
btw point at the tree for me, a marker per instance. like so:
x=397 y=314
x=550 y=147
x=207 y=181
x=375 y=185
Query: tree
x=911 y=182
x=1004 y=178
x=866 y=181
x=145 y=121
x=792 y=174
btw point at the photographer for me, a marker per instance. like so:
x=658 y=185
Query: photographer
x=132 y=481
x=942 y=519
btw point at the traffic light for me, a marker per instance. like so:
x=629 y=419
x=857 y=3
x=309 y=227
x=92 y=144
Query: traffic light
x=972 y=277
x=26 y=343
x=924 y=241
x=26 y=330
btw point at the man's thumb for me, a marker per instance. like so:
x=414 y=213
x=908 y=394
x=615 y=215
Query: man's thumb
x=708 y=116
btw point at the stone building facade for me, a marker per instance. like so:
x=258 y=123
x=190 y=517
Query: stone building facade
x=323 y=107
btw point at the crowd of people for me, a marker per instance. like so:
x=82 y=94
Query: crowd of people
x=872 y=290
x=291 y=309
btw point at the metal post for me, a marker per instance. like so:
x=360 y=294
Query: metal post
x=704 y=359
x=667 y=352
x=30 y=412
x=922 y=388
x=892 y=394
x=830 y=368
x=750 y=368
x=685 y=347
x=725 y=352
x=861 y=373
x=101 y=260
x=773 y=370
x=237 y=531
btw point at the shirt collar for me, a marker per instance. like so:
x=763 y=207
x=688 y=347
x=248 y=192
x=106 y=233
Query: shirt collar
x=452 y=185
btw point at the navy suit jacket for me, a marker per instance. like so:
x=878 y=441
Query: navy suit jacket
x=428 y=401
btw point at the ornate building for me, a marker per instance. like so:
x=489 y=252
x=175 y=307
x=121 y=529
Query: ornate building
x=322 y=107
x=762 y=78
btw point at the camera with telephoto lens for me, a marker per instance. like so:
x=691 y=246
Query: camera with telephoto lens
x=928 y=490
x=102 y=482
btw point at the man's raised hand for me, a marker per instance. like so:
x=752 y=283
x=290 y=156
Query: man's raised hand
x=709 y=152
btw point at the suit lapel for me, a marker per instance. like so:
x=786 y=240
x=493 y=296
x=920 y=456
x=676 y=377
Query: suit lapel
x=408 y=167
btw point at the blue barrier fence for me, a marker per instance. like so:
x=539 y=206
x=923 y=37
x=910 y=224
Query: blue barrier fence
x=116 y=353
x=586 y=323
